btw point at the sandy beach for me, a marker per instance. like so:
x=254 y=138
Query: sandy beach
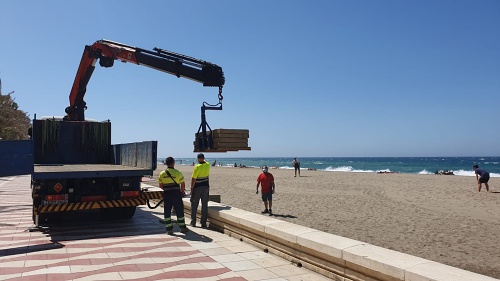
x=437 y=217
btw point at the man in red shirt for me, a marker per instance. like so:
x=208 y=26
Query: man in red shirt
x=267 y=181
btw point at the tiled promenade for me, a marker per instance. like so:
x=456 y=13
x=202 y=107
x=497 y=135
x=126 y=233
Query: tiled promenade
x=136 y=249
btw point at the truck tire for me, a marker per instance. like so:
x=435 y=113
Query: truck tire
x=42 y=218
x=127 y=213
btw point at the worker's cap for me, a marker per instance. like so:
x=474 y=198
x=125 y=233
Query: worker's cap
x=264 y=169
x=200 y=156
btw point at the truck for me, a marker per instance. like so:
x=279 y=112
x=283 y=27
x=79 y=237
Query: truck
x=72 y=163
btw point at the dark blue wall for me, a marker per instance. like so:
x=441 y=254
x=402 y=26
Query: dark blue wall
x=16 y=157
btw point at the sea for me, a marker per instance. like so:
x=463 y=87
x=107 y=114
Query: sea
x=460 y=166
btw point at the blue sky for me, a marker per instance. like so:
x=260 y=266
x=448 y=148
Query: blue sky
x=307 y=78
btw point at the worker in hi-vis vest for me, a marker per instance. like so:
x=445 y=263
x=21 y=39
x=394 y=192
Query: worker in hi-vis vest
x=172 y=182
x=200 y=190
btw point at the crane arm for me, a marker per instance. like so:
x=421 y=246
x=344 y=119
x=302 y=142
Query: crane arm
x=209 y=74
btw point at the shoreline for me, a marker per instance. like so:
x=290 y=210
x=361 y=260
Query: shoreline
x=382 y=171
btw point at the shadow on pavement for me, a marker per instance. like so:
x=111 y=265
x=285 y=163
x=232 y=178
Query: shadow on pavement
x=220 y=208
x=283 y=216
x=15 y=208
x=30 y=249
x=95 y=225
x=192 y=235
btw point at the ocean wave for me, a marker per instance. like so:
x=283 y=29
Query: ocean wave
x=347 y=169
x=472 y=174
x=464 y=173
x=425 y=172
x=385 y=171
x=292 y=168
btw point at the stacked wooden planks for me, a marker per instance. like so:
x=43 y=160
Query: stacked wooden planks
x=224 y=140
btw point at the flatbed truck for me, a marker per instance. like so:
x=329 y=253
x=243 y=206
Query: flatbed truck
x=76 y=170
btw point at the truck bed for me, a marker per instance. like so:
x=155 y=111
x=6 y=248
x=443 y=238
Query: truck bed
x=44 y=171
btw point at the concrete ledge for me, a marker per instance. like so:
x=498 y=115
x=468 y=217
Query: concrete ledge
x=437 y=271
x=334 y=256
x=377 y=262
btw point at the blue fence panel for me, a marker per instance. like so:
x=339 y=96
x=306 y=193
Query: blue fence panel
x=16 y=158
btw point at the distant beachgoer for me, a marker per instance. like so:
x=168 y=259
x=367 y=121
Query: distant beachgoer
x=296 y=166
x=266 y=180
x=484 y=177
x=214 y=163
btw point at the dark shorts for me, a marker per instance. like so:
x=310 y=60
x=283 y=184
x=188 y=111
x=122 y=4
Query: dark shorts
x=297 y=168
x=267 y=196
x=484 y=179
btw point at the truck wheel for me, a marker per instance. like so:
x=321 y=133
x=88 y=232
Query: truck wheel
x=127 y=213
x=41 y=217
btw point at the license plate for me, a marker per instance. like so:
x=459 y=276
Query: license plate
x=56 y=202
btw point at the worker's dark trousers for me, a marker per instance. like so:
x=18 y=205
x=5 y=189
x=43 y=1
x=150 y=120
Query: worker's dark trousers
x=173 y=198
x=200 y=193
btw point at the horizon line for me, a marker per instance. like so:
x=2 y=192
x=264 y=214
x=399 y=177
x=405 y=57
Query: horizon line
x=347 y=157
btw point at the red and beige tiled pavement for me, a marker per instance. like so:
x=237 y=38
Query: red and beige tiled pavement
x=91 y=248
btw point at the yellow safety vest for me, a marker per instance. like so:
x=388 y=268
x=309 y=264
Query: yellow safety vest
x=168 y=183
x=201 y=173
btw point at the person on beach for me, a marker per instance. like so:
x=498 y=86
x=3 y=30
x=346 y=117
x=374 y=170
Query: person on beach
x=172 y=182
x=200 y=190
x=482 y=176
x=296 y=166
x=266 y=180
